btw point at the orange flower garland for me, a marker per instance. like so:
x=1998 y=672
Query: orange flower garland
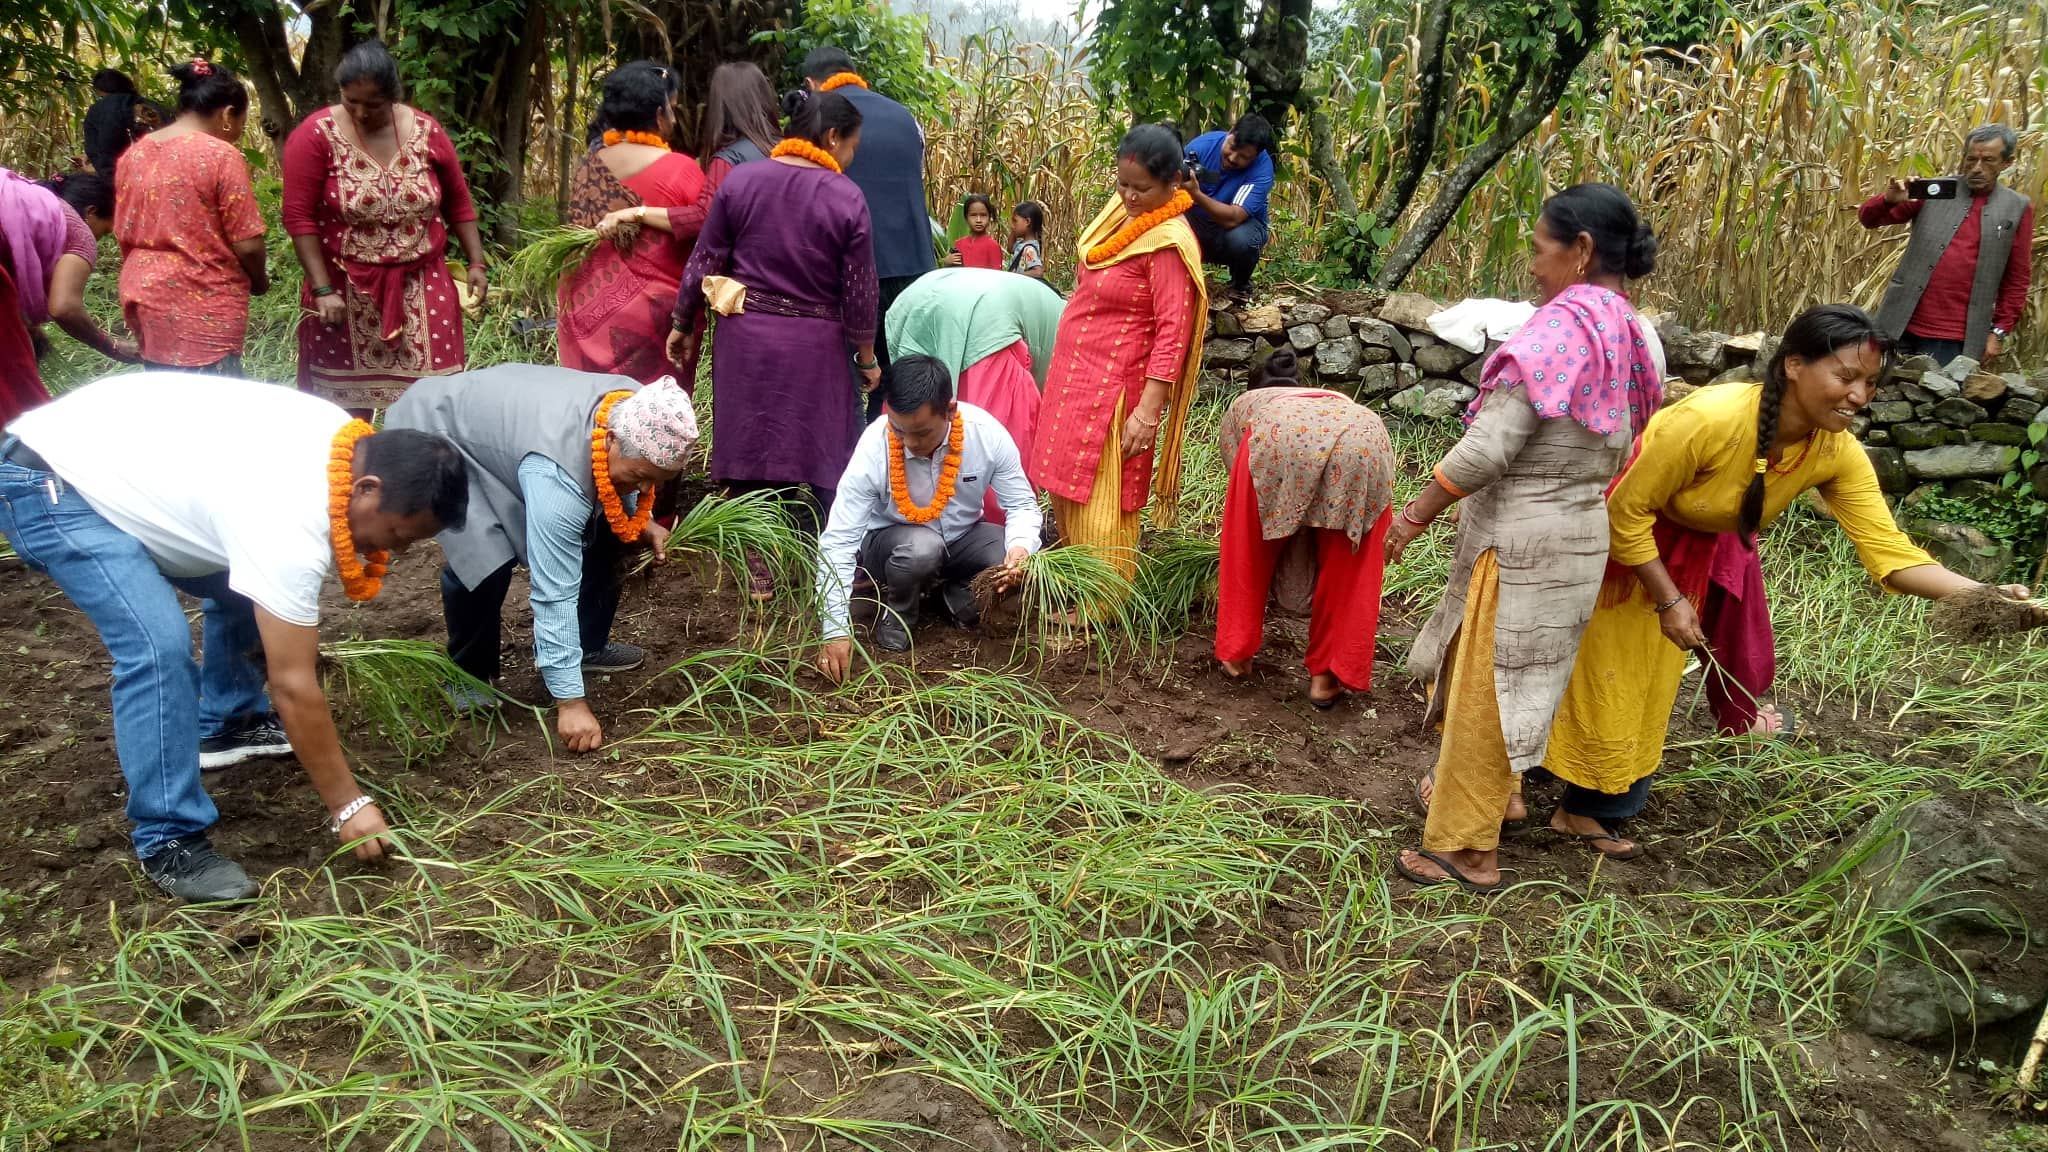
x=359 y=580
x=942 y=492
x=648 y=138
x=805 y=150
x=624 y=527
x=1109 y=249
x=841 y=80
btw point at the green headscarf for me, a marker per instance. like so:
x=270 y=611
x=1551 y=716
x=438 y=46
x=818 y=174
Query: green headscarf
x=965 y=315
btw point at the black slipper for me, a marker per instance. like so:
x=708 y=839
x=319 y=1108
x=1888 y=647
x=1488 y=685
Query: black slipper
x=1593 y=838
x=1452 y=875
x=1326 y=705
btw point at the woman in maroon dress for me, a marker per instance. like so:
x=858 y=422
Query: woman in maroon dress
x=371 y=187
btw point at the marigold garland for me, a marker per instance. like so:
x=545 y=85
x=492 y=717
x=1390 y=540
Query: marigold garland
x=1109 y=249
x=624 y=527
x=942 y=492
x=841 y=80
x=650 y=139
x=360 y=580
x=805 y=150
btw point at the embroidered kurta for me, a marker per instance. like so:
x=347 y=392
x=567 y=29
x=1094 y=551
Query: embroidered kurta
x=180 y=205
x=1123 y=324
x=384 y=233
x=1696 y=461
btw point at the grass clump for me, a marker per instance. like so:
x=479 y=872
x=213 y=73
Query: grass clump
x=539 y=265
x=409 y=692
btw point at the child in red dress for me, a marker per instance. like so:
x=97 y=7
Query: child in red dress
x=977 y=249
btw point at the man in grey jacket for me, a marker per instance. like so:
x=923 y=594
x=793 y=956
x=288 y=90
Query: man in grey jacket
x=1961 y=287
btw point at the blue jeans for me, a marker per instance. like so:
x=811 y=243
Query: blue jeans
x=1237 y=248
x=1942 y=351
x=163 y=701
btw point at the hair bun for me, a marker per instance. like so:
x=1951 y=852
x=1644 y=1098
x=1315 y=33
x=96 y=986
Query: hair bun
x=794 y=102
x=1642 y=253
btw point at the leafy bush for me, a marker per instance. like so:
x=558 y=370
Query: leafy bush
x=889 y=50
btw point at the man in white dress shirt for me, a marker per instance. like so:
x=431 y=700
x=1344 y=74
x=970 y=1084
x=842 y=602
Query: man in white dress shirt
x=907 y=540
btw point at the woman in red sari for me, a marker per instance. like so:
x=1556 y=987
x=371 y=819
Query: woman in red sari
x=371 y=188
x=1124 y=365
x=631 y=187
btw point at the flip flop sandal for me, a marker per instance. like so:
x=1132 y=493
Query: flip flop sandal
x=1326 y=705
x=1507 y=827
x=1592 y=840
x=1452 y=875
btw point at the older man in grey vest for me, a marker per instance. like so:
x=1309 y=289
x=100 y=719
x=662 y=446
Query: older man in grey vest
x=562 y=466
x=1961 y=286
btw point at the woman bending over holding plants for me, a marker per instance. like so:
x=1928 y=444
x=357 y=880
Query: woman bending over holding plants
x=1712 y=470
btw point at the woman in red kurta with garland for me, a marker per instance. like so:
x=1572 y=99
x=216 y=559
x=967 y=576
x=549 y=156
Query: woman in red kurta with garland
x=614 y=307
x=371 y=188
x=1124 y=364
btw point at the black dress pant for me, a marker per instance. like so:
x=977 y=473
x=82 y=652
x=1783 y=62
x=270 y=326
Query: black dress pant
x=475 y=616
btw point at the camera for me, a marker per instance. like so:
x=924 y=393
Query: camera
x=1191 y=167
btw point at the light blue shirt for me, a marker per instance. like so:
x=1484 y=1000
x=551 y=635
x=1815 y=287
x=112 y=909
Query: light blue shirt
x=988 y=459
x=557 y=518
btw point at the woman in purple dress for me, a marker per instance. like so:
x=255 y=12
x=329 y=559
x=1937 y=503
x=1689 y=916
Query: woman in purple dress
x=786 y=262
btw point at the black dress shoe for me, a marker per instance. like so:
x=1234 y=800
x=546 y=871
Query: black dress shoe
x=890 y=634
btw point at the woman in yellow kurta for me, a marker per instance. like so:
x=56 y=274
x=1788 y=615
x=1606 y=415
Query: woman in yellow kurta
x=1728 y=458
x=1126 y=356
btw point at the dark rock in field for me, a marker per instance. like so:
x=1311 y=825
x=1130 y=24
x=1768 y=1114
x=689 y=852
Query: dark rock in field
x=1941 y=385
x=1890 y=411
x=1338 y=359
x=1961 y=548
x=1890 y=465
x=1915 y=365
x=1304 y=336
x=1877 y=437
x=1858 y=426
x=2035 y=389
x=1380 y=334
x=1913 y=393
x=1913 y=435
x=1306 y=314
x=1410 y=310
x=1968 y=873
x=1379 y=380
x=1445 y=403
x=1697 y=356
x=1225 y=323
x=1739 y=374
x=1955 y=461
x=1227 y=353
x=1959 y=413
x=1374 y=354
x=1410 y=401
x=1992 y=432
x=1441 y=359
x=1336 y=327
x=1983 y=387
x=2019 y=410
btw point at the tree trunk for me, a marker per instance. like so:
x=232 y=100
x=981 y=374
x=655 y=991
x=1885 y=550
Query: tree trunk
x=288 y=91
x=1420 y=146
x=514 y=121
x=1519 y=116
x=1276 y=59
x=566 y=146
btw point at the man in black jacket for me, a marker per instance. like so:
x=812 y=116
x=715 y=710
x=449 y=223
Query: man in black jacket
x=889 y=170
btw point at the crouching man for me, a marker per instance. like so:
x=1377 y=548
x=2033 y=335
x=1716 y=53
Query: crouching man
x=909 y=511
x=244 y=495
x=562 y=469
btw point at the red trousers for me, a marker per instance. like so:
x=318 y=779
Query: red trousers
x=1344 y=616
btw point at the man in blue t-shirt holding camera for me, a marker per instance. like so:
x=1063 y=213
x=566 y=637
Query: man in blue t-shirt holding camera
x=1230 y=175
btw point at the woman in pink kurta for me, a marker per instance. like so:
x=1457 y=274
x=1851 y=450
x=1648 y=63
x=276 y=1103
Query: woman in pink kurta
x=1122 y=374
x=191 y=235
x=371 y=189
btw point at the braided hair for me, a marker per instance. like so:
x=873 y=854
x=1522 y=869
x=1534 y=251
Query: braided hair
x=1816 y=334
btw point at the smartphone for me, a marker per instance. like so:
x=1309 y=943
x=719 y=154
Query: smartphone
x=1939 y=188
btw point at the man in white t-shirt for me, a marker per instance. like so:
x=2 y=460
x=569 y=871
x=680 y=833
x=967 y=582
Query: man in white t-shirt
x=128 y=488
x=906 y=544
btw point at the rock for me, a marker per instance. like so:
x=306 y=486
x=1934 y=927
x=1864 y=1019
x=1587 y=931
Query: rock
x=1474 y=372
x=1695 y=356
x=1739 y=374
x=1421 y=340
x=1410 y=310
x=1263 y=321
x=1747 y=348
x=1890 y=411
x=1961 y=548
x=1923 y=411
x=1380 y=334
x=1336 y=327
x=2019 y=411
x=1224 y=323
x=1964 y=872
x=1993 y=432
x=1916 y=435
x=2038 y=479
x=1374 y=354
x=1878 y=437
x=1384 y=379
x=1307 y=314
x=2035 y=389
x=1983 y=387
x=1304 y=336
x=1859 y=426
x=1887 y=393
x=1441 y=359
x=1955 y=461
x=1960 y=369
x=1940 y=385
x=1410 y=401
x=1444 y=403
x=1913 y=393
x=1917 y=365
x=1216 y=381
x=1957 y=412
x=1338 y=359
x=1227 y=353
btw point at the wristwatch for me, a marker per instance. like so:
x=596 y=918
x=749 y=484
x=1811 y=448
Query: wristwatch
x=1998 y=332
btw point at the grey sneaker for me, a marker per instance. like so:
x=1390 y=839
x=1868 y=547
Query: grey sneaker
x=616 y=657
x=256 y=738
x=192 y=871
